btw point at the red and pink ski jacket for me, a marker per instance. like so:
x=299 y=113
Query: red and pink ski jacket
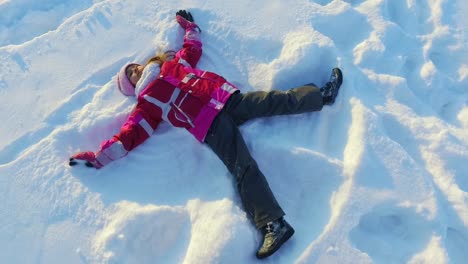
x=182 y=95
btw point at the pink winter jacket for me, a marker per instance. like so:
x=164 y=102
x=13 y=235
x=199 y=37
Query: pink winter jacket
x=182 y=95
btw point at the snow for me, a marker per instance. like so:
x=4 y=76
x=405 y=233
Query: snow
x=379 y=177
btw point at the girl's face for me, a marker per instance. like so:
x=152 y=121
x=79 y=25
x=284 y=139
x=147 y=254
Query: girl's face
x=134 y=72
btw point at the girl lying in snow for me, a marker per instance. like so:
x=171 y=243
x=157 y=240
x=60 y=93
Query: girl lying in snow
x=170 y=88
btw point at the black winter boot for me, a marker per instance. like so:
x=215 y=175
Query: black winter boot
x=275 y=234
x=331 y=88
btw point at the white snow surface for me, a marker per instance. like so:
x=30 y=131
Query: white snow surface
x=381 y=176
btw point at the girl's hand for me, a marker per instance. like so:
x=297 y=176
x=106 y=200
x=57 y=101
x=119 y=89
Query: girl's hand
x=87 y=158
x=185 y=20
x=185 y=15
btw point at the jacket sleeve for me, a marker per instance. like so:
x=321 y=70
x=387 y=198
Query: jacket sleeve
x=135 y=131
x=192 y=48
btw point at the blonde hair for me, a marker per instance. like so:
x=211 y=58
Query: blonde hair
x=160 y=58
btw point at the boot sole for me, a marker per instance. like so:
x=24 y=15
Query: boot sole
x=340 y=75
x=283 y=240
x=338 y=72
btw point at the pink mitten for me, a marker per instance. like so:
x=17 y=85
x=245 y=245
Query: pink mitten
x=87 y=158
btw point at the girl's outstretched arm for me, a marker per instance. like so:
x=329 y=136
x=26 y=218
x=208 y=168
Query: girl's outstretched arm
x=135 y=131
x=192 y=48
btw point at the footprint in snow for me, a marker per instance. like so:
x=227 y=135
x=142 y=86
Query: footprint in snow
x=391 y=234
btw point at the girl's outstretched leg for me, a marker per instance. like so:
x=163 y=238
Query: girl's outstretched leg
x=307 y=98
x=244 y=107
x=225 y=140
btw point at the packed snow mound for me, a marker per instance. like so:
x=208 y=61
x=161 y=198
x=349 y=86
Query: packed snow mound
x=23 y=20
x=378 y=177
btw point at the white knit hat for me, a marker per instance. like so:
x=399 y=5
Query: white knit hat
x=124 y=84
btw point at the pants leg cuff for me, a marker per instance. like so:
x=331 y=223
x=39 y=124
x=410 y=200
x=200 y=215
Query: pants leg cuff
x=263 y=222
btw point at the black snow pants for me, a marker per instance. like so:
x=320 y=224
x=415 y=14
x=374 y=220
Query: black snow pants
x=225 y=139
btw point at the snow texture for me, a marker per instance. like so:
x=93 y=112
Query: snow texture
x=381 y=176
